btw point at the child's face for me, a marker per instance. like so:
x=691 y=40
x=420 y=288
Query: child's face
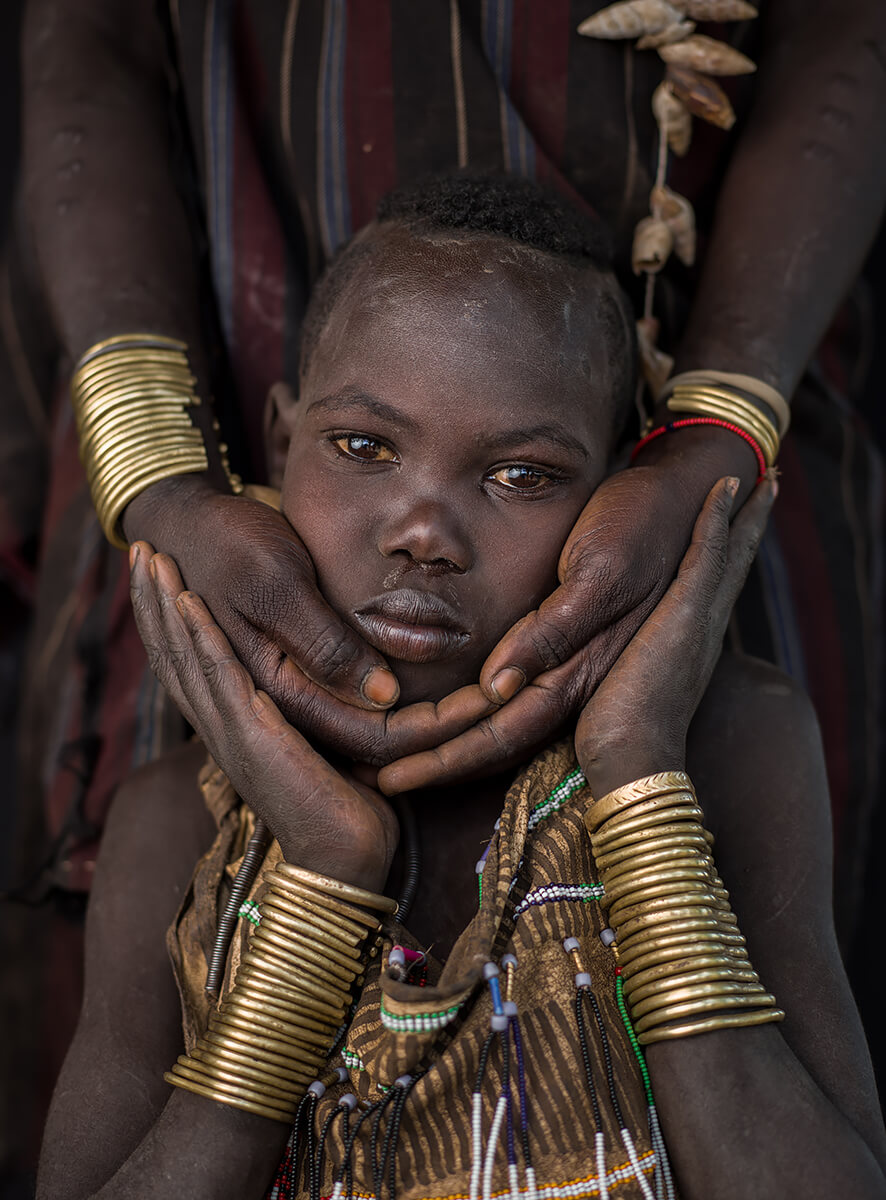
x=454 y=418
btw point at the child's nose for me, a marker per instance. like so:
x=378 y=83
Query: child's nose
x=429 y=533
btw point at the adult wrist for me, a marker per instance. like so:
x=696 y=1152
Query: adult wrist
x=610 y=766
x=702 y=454
x=153 y=513
x=140 y=420
x=719 y=407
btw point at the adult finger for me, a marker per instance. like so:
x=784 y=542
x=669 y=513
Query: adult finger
x=379 y=737
x=745 y=535
x=507 y=736
x=179 y=646
x=599 y=589
x=281 y=604
x=146 y=609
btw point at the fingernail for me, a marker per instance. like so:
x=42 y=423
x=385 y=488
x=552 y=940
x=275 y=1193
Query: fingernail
x=732 y=485
x=507 y=683
x=380 y=687
x=774 y=488
x=133 y=555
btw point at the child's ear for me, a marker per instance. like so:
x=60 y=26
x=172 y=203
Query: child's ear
x=278 y=425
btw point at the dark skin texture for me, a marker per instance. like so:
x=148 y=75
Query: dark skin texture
x=798 y=209
x=752 y=748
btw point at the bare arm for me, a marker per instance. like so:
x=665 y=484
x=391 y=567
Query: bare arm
x=113 y=242
x=116 y=255
x=795 y=216
x=803 y=195
x=135 y=1137
x=789 y=1109
x=772 y=1111
x=155 y=1141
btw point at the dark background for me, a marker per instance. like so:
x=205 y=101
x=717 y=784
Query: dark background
x=865 y=969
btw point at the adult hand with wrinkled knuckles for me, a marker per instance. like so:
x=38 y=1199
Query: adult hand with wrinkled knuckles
x=619 y=560
x=246 y=562
x=616 y=565
x=323 y=818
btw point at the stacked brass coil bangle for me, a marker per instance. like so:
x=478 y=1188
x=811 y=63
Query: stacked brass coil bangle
x=757 y=409
x=683 y=961
x=272 y=1032
x=133 y=396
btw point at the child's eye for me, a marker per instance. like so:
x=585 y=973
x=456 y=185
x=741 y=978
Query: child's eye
x=366 y=449
x=522 y=478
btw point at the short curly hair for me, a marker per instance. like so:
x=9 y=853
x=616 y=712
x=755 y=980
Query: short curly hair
x=498 y=205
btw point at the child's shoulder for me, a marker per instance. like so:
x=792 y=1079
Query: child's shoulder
x=751 y=693
x=157 y=828
x=755 y=746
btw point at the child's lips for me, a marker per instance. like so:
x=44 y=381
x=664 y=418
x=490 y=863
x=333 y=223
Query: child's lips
x=411 y=626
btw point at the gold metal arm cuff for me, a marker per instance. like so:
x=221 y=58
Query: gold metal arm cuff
x=638 y=839
x=726 y=990
x=689 y=844
x=229 y=1076
x=691 y=1008
x=236 y=1038
x=223 y=1055
x=711 y=1025
x=323 y=919
x=660 y=784
x=683 y=968
x=139 y=340
x=339 y=891
x=233 y=1101
x=665 y=950
x=309 y=995
x=617 y=828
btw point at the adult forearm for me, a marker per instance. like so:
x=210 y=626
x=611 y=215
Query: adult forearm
x=802 y=197
x=112 y=238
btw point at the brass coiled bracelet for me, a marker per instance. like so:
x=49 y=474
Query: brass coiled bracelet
x=272 y=1032
x=134 y=396
x=683 y=959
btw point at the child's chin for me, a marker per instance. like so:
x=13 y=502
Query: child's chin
x=431 y=681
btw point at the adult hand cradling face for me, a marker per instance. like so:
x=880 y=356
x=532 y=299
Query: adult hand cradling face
x=361 y=325
x=456 y=411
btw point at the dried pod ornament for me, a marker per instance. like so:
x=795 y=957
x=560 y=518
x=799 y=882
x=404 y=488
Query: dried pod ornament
x=679 y=216
x=687 y=90
x=653 y=242
x=716 y=10
x=673 y=33
x=655 y=365
x=703 y=53
x=702 y=96
x=630 y=18
x=673 y=119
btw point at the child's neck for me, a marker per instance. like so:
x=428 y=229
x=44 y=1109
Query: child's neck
x=453 y=825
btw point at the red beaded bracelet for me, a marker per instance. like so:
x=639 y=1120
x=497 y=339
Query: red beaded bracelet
x=662 y=429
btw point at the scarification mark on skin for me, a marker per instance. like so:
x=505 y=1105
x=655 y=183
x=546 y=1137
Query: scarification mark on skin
x=775 y=913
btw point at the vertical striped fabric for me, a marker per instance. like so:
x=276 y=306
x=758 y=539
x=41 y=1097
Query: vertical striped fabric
x=302 y=114
x=524 y=911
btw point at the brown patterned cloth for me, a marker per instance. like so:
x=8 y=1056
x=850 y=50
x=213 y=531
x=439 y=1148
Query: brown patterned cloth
x=538 y=887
